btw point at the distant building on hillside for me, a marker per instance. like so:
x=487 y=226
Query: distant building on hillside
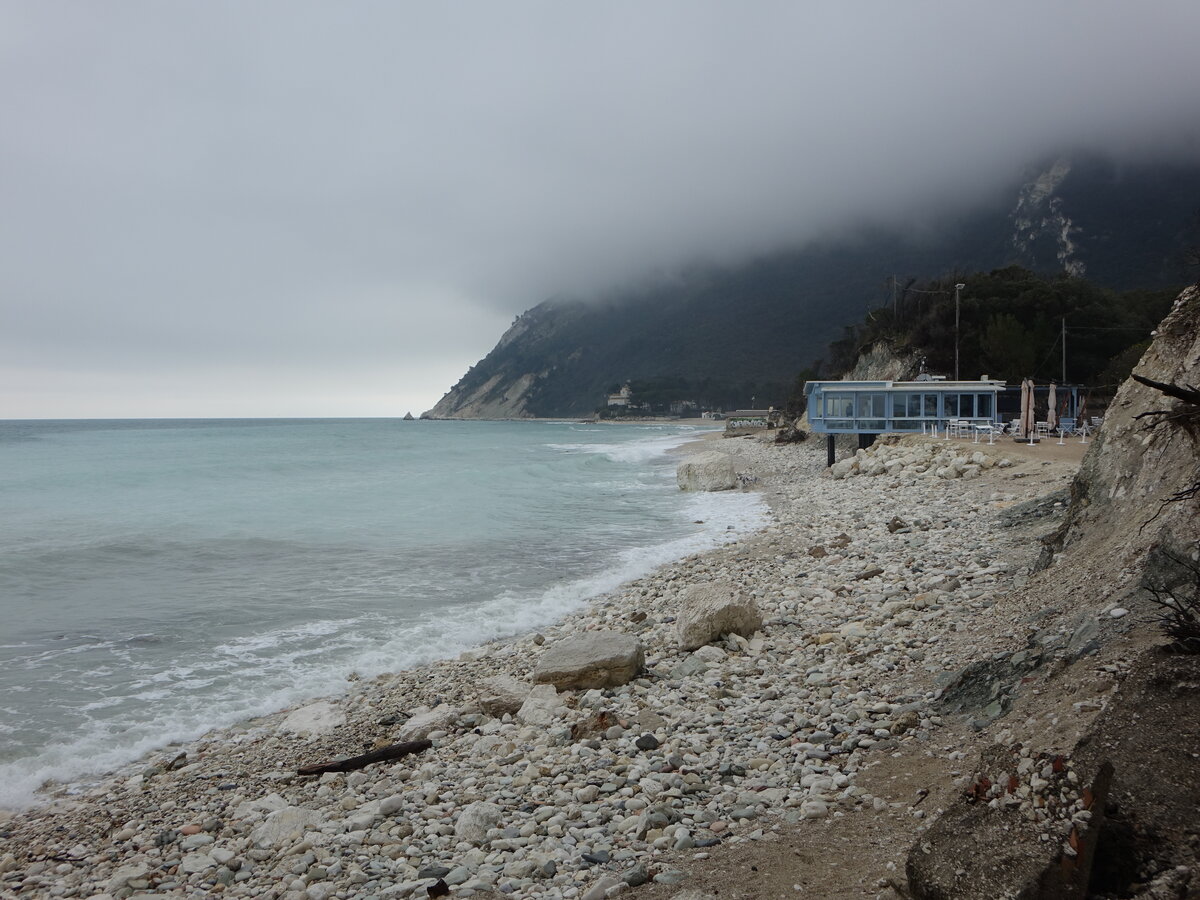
x=623 y=397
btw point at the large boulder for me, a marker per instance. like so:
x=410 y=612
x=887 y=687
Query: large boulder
x=594 y=659
x=502 y=694
x=710 y=610
x=709 y=471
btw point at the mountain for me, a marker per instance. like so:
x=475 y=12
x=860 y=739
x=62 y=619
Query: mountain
x=725 y=337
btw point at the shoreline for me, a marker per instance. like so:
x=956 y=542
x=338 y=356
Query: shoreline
x=254 y=760
x=73 y=762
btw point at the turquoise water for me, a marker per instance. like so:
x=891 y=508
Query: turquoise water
x=159 y=578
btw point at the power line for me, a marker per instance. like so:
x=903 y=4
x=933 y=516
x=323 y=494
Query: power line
x=1142 y=328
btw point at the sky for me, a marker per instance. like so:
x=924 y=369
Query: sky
x=221 y=208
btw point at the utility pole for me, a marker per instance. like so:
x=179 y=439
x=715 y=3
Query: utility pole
x=957 y=288
x=1064 y=350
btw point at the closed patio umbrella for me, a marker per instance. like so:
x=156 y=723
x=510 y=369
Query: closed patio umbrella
x=1026 y=407
x=1052 y=411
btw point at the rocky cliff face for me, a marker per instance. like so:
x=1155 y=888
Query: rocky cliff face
x=1120 y=505
x=1128 y=745
x=504 y=384
x=883 y=362
x=1043 y=232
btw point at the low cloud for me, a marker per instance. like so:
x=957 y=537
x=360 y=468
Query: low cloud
x=197 y=190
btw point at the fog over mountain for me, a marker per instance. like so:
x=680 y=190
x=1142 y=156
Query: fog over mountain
x=297 y=208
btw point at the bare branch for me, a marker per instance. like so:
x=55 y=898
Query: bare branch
x=1187 y=393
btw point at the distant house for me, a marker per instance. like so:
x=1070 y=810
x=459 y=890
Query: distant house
x=622 y=397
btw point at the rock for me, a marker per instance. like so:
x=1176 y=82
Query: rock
x=475 y=820
x=868 y=573
x=125 y=874
x=601 y=888
x=441 y=718
x=710 y=471
x=711 y=609
x=648 y=720
x=814 y=809
x=280 y=826
x=646 y=742
x=316 y=718
x=946 y=861
x=593 y=659
x=693 y=665
x=195 y=862
x=263 y=806
x=896 y=524
x=1085 y=639
x=502 y=694
x=843 y=468
x=391 y=805
x=542 y=706
x=710 y=654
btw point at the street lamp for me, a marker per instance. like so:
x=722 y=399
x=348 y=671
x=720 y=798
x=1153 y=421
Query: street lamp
x=957 y=288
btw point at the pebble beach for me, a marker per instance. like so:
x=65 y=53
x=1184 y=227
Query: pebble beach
x=872 y=585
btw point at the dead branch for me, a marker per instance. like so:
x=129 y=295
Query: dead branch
x=1179 y=600
x=384 y=754
x=1187 y=393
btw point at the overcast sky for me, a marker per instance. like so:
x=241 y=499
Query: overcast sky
x=334 y=208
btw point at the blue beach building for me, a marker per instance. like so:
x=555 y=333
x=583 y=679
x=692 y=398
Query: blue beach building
x=875 y=407
x=869 y=408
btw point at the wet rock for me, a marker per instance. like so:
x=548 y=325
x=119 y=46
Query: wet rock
x=316 y=718
x=709 y=471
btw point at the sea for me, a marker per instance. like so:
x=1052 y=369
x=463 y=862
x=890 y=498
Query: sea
x=161 y=578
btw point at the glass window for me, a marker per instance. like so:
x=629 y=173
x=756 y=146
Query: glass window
x=952 y=406
x=839 y=406
x=966 y=405
x=983 y=406
x=870 y=406
x=907 y=406
x=930 y=406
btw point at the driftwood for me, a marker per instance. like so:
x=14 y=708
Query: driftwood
x=383 y=754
